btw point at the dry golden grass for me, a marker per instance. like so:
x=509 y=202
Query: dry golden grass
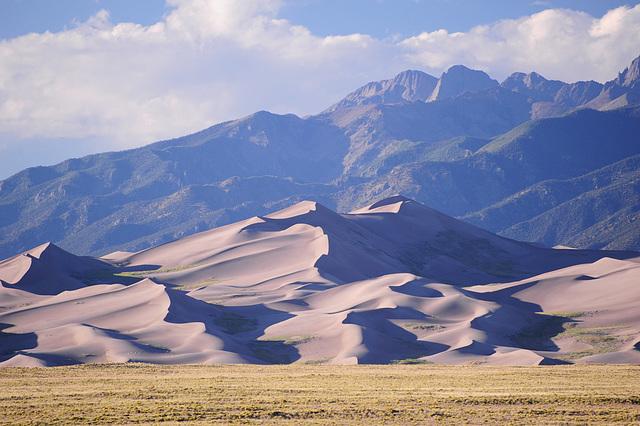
x=398 y=394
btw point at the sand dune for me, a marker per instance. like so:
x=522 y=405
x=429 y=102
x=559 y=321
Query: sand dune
x=391 y=282
x=112 y=323
x=46 y=269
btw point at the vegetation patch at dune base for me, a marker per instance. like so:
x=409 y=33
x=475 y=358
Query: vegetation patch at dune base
x=295 y=394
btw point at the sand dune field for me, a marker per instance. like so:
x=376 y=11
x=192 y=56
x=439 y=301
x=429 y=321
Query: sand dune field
x=394 y=282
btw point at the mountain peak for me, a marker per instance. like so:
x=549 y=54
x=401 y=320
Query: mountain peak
x=528 y=80
x=630 y=77
x=407 y=86
x=621 y=91
x=416 y=85
x=411 y=73
x=533 y=85
x=459 y=68
x=459 y=79
x=411 y=76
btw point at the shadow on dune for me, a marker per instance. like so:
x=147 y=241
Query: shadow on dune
x=12 y=344
x=53 y=360
x=388 y=342
x=115 y=334
x=416 y=288
x=116 y=274
x=516 y=323
x=139 y=268
x=239 y=327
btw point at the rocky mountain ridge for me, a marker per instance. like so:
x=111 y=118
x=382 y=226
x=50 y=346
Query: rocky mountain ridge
x=466 y=153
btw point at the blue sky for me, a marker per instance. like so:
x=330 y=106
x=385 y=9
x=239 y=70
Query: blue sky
x=409 y=17
x=381 y=18
x=83 y=76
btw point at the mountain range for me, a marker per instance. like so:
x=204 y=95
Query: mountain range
x=529 y=158
x=393 y=282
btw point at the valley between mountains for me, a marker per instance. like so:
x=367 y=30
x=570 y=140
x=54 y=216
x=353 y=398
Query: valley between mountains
x=393 y=282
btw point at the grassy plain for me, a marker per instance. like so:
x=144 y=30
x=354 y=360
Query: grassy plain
x=321 y=394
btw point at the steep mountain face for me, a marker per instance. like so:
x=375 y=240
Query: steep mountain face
x=109 y=199
x=458 y=80
x=533 y=85
x=535 y=152
x=551 y=98
x=568 y=98
x=613 y=212
x=554 y=210
x=261 y=144
x=408 y=86
x=620 y=92
x=382 y=132
x=568 y=146
x=630 y=77
x=471 y=147
x=389 y=282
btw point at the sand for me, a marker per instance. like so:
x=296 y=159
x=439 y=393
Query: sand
x=392 y=282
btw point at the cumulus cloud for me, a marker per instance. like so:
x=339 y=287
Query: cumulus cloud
x=206 y=61
x=213 y=60
x=558 y=43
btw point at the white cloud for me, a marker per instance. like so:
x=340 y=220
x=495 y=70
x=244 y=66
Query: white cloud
x=212 y=60
x=206 y=61
x=558 y=43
